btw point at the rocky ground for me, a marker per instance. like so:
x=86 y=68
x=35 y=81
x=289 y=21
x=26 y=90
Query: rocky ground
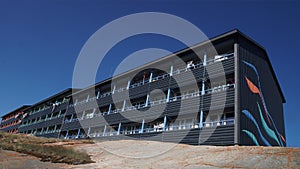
x=14 y=160
x=148 y=154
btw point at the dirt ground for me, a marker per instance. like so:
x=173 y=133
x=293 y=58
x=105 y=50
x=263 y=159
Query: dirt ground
x=149 y=154
x=14 y=160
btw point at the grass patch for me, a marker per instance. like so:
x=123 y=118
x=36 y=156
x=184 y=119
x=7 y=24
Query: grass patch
x=41 y=147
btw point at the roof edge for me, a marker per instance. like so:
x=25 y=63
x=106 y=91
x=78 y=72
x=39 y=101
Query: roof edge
x=210 y=40
x=268 y=61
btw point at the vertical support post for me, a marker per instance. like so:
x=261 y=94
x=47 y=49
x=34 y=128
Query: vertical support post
x=219 y=119
x=87 y=98
x=204 y=64
x=203 y=88
x=128 y=84
x=109 y=109
x=165 y=123
x=124 y=104
x=55 y=128
x=201 y=119
x=147 y=100
x=78 y=133
x=98 y=94
x=67 y=134
x=143 y=125
x=83 y=114
x=168 y=95
x=150 y=79
x=89 y=131
x=59 y=113
x=119 y=128
x=204 y=58
x=104 y=131
x=171 y=70
x=236 y=95
x=47 y=129
x=94 y=110
x=113 y=92
x=72 y=117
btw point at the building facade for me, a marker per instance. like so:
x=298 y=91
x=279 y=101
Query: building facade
x=45 y=117
x=11 y=121
x=220 y=92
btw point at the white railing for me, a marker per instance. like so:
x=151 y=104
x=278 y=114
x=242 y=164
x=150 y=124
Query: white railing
x=110 y=133
x=48 y=107
x=218 y=123
x=42 y=120
x=159 y=102
x=160 y=129
x=136 y=131
x=217 y=58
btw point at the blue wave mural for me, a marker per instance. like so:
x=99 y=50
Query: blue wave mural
x=252 y=136
x=258 y=90
x=249 y=115
x=269 y=131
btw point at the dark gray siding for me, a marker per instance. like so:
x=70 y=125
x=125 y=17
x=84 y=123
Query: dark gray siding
x=261 y=113
x=222 y=135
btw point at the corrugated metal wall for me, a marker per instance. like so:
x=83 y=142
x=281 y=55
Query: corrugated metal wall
x=222 y=135
x=261 y=112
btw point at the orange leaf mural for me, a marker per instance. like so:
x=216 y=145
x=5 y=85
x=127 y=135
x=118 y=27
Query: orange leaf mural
x=254 y=89
x=252 y=86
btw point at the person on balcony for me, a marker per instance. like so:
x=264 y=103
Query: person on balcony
x=189 y=65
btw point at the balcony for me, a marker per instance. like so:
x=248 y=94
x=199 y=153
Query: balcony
x=218 y=123
x=215 y=90
x=54 y=106
x=227 y=122
x=42 y=120
x=143 y=82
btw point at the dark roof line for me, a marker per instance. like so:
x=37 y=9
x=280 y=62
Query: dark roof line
x=158 y=60
x=211 y=40
x=268 y=61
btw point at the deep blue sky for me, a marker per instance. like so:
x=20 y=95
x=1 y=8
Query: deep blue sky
x=40 y=41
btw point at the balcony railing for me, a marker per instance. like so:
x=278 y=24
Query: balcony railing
x=160 y=129
x=48 y=107
x=47 y=132
x=42 y=120
x=218 y=123
x=157 y=102
x=163 y=76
